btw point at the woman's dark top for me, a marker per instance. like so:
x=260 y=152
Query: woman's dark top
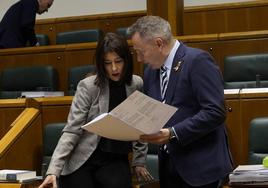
x=116 y=96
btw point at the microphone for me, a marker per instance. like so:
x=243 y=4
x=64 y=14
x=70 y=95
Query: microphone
x=258 y=80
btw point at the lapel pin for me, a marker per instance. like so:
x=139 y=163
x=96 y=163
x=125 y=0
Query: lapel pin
x=176 y=68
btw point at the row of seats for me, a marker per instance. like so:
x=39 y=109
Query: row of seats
x=243 y=71
x=77 y=36
x=38 y=78
x=246 y=71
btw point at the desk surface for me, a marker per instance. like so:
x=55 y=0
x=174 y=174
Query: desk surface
x=33 y=184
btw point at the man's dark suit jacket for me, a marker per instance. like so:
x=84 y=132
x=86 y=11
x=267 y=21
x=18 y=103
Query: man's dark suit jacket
x=201 y=155
x=17 y=25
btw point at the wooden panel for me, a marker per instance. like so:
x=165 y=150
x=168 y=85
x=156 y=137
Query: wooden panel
x=80 y=54
x=47 y=27
x=10 y=185
x=211 y=47
x=7 y=116
x=171 y=10
x=53 y=109
x=9 y=111
x=79 y=25
x=229 y=17
x=33 y=184
x=54 y=114
x=234 y=129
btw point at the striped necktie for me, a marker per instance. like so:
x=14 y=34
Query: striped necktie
x=164 y=81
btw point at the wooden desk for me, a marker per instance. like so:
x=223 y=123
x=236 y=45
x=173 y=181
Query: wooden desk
x=54 y=109
x=33 y=184
x=242 y=107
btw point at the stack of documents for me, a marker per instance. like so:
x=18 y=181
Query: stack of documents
x=17 y=175
x=38 y=94
x=249 y=174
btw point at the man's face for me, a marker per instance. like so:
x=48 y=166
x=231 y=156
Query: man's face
x=148 y=52
x=44 y=5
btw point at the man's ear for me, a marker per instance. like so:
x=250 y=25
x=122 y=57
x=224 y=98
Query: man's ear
x=159 y=42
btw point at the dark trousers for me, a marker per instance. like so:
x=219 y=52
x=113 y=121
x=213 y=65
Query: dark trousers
x=102 y=170
x=169 y=178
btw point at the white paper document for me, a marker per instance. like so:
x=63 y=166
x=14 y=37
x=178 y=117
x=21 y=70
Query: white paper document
x=136 y=115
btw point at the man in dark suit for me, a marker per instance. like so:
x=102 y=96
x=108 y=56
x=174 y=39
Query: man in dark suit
x=193 y=148
x=17 y=25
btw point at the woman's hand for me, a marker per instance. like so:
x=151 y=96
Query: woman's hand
x=49 y=182
x=142 y=174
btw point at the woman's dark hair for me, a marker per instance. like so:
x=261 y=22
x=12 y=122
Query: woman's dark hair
x=113 y=43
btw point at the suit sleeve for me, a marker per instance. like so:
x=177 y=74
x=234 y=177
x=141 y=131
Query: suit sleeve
x=207 y=90
x=28 y=15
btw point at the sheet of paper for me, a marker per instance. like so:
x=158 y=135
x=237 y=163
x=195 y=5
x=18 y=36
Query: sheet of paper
x=137 y=115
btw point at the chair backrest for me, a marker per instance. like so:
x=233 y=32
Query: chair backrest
x=122 y=31
x=35 y=78
x=258 y=141
x=79 y=36
x=244 y=71
x=52 y=133
x=42 y=39
x=152 y=161
x=75 y=74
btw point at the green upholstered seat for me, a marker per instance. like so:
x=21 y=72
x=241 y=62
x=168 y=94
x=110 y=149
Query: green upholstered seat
x=152 y=160
x=79 y=36
x=42 y=39
x=35 y=78
x=122 y=31
x=152 y=166
x=51 y=134
x=75 y=74
x=240 y=71
x=258 y=140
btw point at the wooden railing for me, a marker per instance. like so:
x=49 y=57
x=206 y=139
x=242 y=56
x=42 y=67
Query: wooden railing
x=20 y=147
x=9 y=111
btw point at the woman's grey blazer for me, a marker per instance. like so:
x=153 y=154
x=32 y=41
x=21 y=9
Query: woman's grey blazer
x=76 y=145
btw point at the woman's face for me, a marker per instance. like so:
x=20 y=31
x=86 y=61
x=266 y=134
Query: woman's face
x=113 y=65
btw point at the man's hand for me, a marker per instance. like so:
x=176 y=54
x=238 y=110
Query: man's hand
x=162 y=137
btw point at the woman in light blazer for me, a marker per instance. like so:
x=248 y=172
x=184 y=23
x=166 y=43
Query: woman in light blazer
x=83 y=159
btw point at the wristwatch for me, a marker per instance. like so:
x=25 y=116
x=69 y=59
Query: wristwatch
x=172 y=133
